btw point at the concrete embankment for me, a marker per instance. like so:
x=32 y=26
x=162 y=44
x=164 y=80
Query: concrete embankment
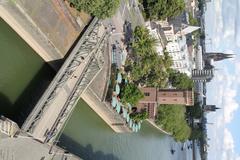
x=111 y=117
x=11 y=15
x=47 y=26
x=154 y=125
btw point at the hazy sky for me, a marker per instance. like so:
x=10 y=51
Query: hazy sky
x=223 y=35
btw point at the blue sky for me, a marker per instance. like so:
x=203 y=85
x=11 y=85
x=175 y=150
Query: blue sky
x=223 y=35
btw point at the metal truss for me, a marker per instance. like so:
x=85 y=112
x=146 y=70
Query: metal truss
x=90 y=44
x=95 y=64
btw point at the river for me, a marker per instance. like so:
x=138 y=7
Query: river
x=23 y=78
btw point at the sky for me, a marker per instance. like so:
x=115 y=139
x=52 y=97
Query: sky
x=223 y=35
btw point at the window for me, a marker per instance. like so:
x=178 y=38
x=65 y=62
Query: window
x=146 y=94
x=175 y=99
x=164 y=99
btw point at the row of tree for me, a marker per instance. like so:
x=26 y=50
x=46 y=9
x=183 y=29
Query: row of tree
x=162 y=9
x=145 y=66
x=99 y=8
x=172 y=119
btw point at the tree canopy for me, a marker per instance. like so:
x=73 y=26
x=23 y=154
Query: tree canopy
x=99 y=8
x=138 y=116
x=172 y=119
x=196 y=133
x=131 y=94
x=162 y=9
x=146 y=66
x=195 y=111
x=180 y=80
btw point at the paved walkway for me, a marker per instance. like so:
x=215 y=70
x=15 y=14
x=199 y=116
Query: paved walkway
x=29 y=149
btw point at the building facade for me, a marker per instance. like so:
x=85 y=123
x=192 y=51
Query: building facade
x=154 y=97
x=202 y=75
x=178 y=50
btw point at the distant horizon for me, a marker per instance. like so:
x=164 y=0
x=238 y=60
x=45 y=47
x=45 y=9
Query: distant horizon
x=222 y=35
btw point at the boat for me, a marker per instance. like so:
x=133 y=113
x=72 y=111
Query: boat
x=172 y=151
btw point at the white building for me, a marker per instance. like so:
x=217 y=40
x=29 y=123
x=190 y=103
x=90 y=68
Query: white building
x=156 y=32
x=178 y=50
x=172 y=38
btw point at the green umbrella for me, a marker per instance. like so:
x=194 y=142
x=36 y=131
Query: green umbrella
x=114 y=102
x=117 y=89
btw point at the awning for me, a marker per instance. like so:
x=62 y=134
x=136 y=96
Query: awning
x=119 y=78
x=117 y=89
x=114 y=102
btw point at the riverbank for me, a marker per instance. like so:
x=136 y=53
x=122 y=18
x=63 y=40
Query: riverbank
x=112 y=118
x=158 y=128
x=13 y=16
x=50 y=30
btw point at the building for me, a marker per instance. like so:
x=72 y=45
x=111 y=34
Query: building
x=211 y=57
x=210 y=108
x=217 y=56
x=174 y=42
x=157 y=32
x=202 y=75
x=154 y=97
x=178 y=50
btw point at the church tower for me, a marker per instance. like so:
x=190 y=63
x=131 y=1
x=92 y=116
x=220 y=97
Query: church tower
x=210 y=108
x=216 y=56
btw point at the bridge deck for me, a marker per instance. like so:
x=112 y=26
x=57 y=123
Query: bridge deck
x=75 y=75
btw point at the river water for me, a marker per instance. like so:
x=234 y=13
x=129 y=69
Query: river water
x=23 y=75
x=23 y=78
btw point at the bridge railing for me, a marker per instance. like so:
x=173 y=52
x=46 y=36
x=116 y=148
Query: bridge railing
x=90 y=71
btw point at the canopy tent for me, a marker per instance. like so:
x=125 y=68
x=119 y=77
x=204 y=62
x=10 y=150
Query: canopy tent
x=123 y=57
x=118 y=108
x=119 y=78
x=114 y=102
x=124 y=112
x=117 y=89
x=130 y=123
x=139 y=125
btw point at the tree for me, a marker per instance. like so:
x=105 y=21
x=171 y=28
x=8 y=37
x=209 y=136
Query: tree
x=172 y=119
x=196 y=133
x=180 y=80
x=139 y=116
x=143 y=42
x=99 y=8
x=195 y=111
x=162 y=9
x=193 y=21
x=147 y=67
x=131 y=94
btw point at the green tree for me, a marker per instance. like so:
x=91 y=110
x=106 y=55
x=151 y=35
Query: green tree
x=99 y=8
x=172 y=119
x=143 y=42
x=196 y=133
x=131 y=94
x=193 y=21
x=139 y=116
x=180 y=80
x=162 y=9
x=147 y=67
x=195 y=111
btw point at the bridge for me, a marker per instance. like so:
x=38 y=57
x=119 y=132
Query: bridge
x=57 y=103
